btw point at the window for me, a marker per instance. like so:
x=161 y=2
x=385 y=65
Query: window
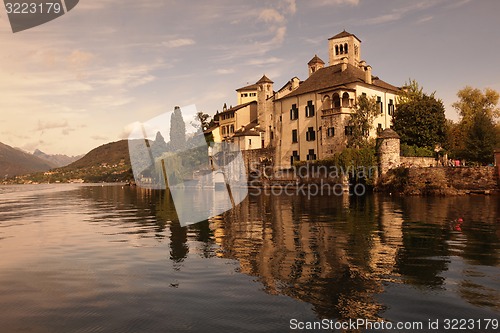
x=363 y=94
x=348 y=130
x=249 y=142
x=390 y=107
x=379 y=128
x=345 y=47
x=295 y=137
x=380 y=104
x=336 y=50
x=253 y=94
x=310 y=109
x=294 y=112
x=331 y=131
x=244 y=95
x=311 y=156
x=231 y=129
x=294 y=157
x=310 y=134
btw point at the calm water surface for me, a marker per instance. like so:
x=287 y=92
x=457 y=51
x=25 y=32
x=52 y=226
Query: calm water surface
x=81 y=258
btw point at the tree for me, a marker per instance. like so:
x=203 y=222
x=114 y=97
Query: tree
x=476 y=134
x=472 y=101
x=419 y=118
x=481 y=138
x=203 y=118
x=177 y=131
x=361 y=122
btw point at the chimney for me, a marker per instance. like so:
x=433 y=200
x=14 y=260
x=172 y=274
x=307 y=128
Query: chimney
x=295 y=83
x=368 y=74
x=343 y=66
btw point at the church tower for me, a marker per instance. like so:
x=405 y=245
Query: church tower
x=344 y=45
x=314 y=64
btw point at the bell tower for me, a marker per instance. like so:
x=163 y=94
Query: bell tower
x=344 y=45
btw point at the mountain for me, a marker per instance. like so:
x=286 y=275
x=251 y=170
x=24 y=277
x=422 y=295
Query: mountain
x=57 y=160
x=14 y=162
x=109 y=153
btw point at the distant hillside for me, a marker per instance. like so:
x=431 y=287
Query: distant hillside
x=15 y=162
x=106 y=163
x=110 y=153
x=57 y=160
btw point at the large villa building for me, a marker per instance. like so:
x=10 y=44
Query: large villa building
x=308 y=120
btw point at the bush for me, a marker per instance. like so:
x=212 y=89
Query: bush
x=414 y=151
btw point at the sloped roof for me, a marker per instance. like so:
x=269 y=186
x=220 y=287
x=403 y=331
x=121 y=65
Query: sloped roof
x=249 y=87
x=344 y=34
x=237 y=107
x=316 y=60
x=264 y=79
x=252 y=129
x=388 y=133
x=332 y=77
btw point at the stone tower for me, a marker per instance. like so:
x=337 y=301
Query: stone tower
x=388 y=150
x=314 y=64
x=265 y=93
x=344 y=45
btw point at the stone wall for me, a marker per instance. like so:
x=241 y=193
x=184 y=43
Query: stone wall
x=420 y=162
x=441 y=181
x=256 y=160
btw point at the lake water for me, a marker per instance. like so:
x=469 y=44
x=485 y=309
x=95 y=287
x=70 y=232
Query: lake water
x=80 y=258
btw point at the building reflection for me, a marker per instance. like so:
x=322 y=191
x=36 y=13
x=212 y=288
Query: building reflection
x=335 y=253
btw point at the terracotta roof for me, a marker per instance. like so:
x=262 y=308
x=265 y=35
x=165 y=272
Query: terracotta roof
x=344 y=34
x=316 y=60
x=264 y=79
x=237 y=107
x=252 y=129
x=332 y=77
x=249 y=87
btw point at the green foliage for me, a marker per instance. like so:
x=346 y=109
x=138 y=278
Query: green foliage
x=203 y=118
x=415 y=151
x=410 y=92
x=476 y=135
x=361 y=121
x=419 y=118
x=359 y=161
x=481 y=139
x=472 y=100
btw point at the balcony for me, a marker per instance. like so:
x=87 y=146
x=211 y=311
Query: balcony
x=335 y=110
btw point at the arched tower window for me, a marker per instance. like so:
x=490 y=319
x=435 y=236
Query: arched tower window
x=336 y=100
x=336 y=50
x=327 y=103
x=345 y=100
x=345 y=47
x=341 y=49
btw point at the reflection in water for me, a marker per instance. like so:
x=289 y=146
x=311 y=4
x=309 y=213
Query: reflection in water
x=336 y=253
x=110 y=250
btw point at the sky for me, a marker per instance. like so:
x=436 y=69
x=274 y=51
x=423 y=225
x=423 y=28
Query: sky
x=83 y=79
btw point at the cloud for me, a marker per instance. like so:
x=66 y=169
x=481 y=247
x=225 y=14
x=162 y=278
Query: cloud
x=99 y=138
x=45 y=125
x=289 y=6
x=270 y=15
x=398 y=13
x=319 y=3
x=224 y=71
x=424 y=19
x=264 y=61
x=179 y=42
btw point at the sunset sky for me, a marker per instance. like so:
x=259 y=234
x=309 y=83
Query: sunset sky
x=79 y=81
